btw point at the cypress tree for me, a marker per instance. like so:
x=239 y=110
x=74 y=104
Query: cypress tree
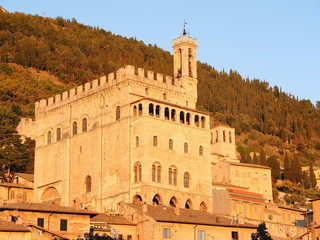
x=313 y=180
x=275 y=167
x=262 y=233
x=287 y=171
x=263 y=158
x=255 y=159
x=296 y=169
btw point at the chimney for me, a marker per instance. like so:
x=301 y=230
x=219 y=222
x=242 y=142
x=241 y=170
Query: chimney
x=144 y=208
x=176 y=209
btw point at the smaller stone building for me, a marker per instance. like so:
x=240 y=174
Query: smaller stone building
x=47 y=220
x=9 y=230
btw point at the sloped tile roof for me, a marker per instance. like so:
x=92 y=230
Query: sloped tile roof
x=27 y=176
x=43 y=207
x=15 y=185
x=6 y=226
x=116 y=220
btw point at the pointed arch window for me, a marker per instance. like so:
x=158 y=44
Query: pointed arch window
x=140 y=109
x=49 y=137
x=186 y=180
x=88 y=184
x=188 y=118
x=58 y=133
x=203 y=122
x=84 y=125
x=181 y=117
x=196 y=120
x=155 y=141
x=170 y=144
x=118 y=113
x=200 y=151
x=74 y=128
x=134 y=113
x=137 y=172
x=166 y=113
x=156 y=172
x=224 y=135
x=230 y=137
x=157 y=111
x=186 y=148
x=173 y=172
x=151 y=110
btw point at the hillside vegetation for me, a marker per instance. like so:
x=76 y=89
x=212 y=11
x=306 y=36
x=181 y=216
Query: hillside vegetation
x=43 y=56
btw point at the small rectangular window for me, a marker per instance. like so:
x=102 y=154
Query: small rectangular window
x=234 y=235
x=201 y=235
x=14 y=219
x=40 y=222
x=63 y=225
x=166 y=233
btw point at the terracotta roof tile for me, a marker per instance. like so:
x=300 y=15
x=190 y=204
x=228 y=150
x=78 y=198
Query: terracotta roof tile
x=6 y=226
x=166 y=214
x=117 y=220
x=43 y=207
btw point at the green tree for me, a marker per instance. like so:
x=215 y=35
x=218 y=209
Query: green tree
x=287 y=171
x=275 y=167
x=262 y=233
x=263 y=158
x=313 y=180
x=296 y=169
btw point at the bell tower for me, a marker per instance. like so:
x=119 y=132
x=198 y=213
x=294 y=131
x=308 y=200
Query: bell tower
x=185 y=63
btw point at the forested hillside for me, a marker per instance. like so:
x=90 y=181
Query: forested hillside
x=264 y=117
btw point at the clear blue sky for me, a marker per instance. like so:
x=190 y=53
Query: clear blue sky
x=273 y=40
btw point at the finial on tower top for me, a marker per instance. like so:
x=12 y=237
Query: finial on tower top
x=184 y=27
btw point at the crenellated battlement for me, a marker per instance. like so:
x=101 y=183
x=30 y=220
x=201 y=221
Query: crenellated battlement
x=184 y=39
x=105 y=82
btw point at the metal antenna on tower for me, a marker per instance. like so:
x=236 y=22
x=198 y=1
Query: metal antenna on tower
x=184 y=27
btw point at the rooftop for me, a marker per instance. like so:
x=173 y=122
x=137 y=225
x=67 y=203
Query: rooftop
x=248 y=165
x=27 y=176
x=188 y=216
x=116 y=220
x=14 y=185
x=6 y=226
x=43 y=207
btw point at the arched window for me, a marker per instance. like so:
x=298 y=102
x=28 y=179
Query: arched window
x=173 y=114
x=151 y=110
x=156 y=172
x=217 y=136
x=155 y=141
x=88 y=184
x=140 y=109
x=188 y=204
x=188 y=118
x=186 y=180
x=173 y=202
x=203 y=122
x=196 y=120
x=224 y=135
x=157 y=200
x=230 y=137
x=137 y=172
x=173 y=172
x=137 y=142
x=49 y=137
x=181 y=117
x=166 y=113
x=118 y=113
x=58 y=134
x=74 y=128
x=137 y=199
x=154 y=168
x=203 y=206
x=170 y=144
x=201 y=151
x=134 y=113
x=186 y=147
x=84 y=125
x=157 y=111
